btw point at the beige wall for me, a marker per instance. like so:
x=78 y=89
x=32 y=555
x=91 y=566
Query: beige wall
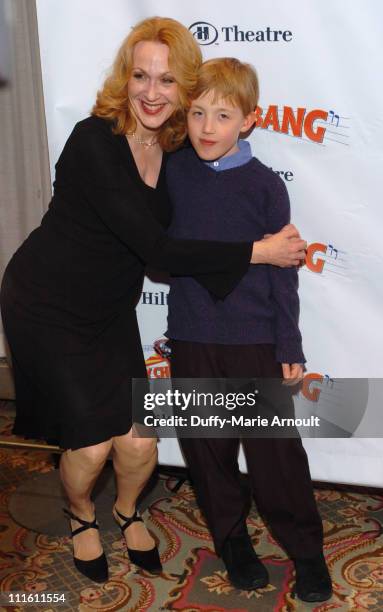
x=24 y=166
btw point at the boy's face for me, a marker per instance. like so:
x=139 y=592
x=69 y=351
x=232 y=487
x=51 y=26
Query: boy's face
x=214 y=127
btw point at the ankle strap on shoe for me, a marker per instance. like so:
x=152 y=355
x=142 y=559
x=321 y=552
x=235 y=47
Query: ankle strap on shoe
x=128 y=520
x=85 y=524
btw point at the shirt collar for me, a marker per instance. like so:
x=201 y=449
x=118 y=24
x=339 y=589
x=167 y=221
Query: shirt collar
x=239 y=158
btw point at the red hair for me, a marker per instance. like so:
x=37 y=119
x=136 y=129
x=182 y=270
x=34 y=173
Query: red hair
x=184 y=61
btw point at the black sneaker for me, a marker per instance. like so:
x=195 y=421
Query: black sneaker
x=312 y=579
x=244 y=569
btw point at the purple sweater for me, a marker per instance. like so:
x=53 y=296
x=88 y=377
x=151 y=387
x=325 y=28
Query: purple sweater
x=242 y=203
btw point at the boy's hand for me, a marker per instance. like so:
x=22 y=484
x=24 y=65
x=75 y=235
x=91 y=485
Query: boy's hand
x=284 y=249
x=292 y=373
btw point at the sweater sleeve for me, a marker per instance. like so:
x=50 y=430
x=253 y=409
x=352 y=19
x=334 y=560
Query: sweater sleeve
x=92 y=156
x=284 y=287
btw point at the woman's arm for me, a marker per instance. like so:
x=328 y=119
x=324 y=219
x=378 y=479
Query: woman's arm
x=283 y=249
x=94 y=162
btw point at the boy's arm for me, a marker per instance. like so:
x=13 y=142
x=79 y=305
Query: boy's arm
x=284 y=288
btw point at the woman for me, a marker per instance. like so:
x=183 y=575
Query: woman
x=69 y=293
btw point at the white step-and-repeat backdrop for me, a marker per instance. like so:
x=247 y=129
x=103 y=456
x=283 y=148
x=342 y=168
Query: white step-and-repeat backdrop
x=319 y=126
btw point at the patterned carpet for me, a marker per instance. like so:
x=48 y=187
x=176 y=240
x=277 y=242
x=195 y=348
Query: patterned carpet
x=194 y=579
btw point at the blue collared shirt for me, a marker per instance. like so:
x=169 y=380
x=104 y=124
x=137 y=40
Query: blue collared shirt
x=235 y=160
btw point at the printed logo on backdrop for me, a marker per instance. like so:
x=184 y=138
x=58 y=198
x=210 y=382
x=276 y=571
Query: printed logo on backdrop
x=340 y=403
x=157 y=366
x=286 y=175
x=154 y=298
x=313 y=385
x=326 y=259
x=317 y=125
x=206 y=33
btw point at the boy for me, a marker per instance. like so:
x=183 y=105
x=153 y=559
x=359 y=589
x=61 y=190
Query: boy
x=220 y=192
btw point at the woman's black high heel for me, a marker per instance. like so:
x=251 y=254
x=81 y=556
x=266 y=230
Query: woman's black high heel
x=148 y=560
x=95 y=569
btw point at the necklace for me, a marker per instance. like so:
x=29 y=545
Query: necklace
x=144 y=143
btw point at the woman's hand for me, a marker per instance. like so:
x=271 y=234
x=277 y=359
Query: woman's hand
x=284 y=249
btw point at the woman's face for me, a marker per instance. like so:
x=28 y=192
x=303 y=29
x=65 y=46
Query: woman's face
x=152 y=89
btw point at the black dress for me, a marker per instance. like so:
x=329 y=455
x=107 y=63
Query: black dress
x=69 y=293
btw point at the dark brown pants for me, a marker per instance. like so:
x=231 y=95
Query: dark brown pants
x=278 y=468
